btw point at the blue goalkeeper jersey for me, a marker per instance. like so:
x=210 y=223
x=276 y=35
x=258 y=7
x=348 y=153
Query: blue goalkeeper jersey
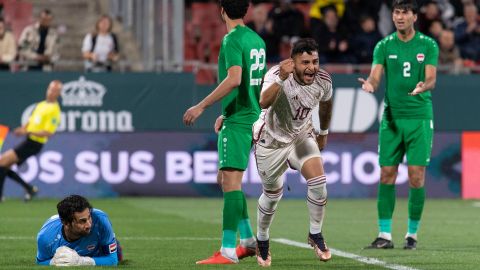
x=100 y=243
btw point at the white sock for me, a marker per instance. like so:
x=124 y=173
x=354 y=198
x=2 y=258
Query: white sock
x=249 y=242
x=412 y=235
x=385 y=235
x=316 y=201
x=267 y=203
x=229 y=253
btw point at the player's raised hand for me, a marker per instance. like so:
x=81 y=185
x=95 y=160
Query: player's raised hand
x=418 y=89
x=192 y=114
x=218 y=124
x=366 y=85
x=286 y=67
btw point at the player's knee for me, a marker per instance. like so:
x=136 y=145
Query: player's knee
x=317 y=188
x=270 y=198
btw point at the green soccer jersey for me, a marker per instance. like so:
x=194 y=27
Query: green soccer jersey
x=404 y=64
x=242 y=47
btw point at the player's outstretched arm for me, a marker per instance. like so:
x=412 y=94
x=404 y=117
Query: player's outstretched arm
x=233 y=80
x=371 y=83
x=430 y=81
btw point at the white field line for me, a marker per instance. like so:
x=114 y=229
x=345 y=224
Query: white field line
x=344 y=254
x=476 y=204
x=284 y=241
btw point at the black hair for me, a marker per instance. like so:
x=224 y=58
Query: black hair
x=308 y=45
x=405 y=5
x=70 y=205
x=235 y=9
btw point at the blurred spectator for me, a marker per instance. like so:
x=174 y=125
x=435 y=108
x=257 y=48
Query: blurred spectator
x=364 y=41
x=332 y=39
x=449 y=53
x=263 y=26
x=385 y=22
x=100 y=48
x=288 y=21
x=8 y=48
x=428 y=13
x=318 y=5
x=467 y=34
x=355 y=9
x=435 y=29
x=38 y=47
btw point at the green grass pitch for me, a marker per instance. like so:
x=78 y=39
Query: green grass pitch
x=174 y=233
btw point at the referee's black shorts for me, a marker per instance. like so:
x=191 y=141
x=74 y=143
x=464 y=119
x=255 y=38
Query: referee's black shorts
x=27 y=149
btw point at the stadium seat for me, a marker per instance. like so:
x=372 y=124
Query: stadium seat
x=18 y=14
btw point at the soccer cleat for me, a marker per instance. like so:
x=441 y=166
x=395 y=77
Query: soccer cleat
x=244 y=252
x=264 y=258
x=380 y=243
x=410 y=243
x=30 y=194
x=217 y=258
x=320 y=247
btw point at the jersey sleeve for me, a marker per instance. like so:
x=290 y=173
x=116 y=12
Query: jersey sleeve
x=53 y=121
x=233 y=52
x=270 y=77
x=379 y=54
x=327 y=85
x=108 y=243
x=44 y=252
x=432 y=53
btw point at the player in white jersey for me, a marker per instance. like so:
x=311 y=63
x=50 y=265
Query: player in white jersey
x=284 y=136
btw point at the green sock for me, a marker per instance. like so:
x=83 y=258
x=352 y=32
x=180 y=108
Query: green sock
x=385 y=207
x=244 y=225
x=416 y=201
x=232 y=213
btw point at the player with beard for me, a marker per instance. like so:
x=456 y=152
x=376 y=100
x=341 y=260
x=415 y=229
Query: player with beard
x=78 y=235
x=284 y=136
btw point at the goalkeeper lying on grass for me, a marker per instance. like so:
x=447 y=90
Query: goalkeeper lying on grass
x=78 y=235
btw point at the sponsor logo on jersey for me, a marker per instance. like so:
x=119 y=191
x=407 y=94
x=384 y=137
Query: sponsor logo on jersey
x=420 y=57
x=91 y=247
x=392 y=56
x=112 y=247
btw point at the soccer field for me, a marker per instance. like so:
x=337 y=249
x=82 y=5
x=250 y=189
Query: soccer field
x=174 y=233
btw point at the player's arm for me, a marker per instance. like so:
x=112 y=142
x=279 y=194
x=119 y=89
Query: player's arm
x=430 y=81
x=373 y=81
x=270 y=90
x=232 y=81
x=110 y=259
x=325 y=114
x=108 y=243
x=44 y=254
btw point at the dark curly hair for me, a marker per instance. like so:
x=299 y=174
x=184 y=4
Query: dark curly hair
x=235 y=9
x=70 y=205
x=308 y=45
x=405 y=5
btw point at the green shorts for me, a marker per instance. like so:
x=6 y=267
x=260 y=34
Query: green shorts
x=413 y=137
x=234 y=144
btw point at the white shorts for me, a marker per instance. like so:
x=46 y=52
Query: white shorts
x=273 y=162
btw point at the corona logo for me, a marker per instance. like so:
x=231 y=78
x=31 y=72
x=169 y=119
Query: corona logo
x=91 y=115
x=83 y=93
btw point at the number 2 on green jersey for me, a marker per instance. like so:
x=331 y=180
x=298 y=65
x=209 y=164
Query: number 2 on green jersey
x=406 y=69
x=259 y=65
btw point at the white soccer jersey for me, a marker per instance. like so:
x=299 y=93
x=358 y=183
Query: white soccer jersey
x=291 y=113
